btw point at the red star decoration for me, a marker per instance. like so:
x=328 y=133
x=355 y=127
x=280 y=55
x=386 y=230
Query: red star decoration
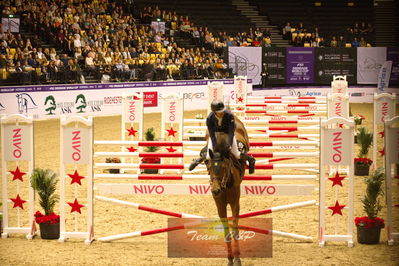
x=18 y=202
x=337 y=179
x=131 y=149
x=382 y=152
x=171 y=149
x=76 y=178
x=75 y=206
x=240 y=99
x=17 y=174
x=131 y=131
x=171 y=132
x=341 y=125
x=240 y=108
x=337 y=208
x=382 y=134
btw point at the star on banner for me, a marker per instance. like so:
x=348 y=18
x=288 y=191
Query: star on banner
x=17 y=174
x=240 y=99
x=18 y=202
x=382 y=152
x=131 y=149
x=337 y=209
x=171 y=149
x=341 y=125
x=75 y=206
x=382 y=134
x=76 y=178
x=337 y=179
x=131 y=131
x=171 y=132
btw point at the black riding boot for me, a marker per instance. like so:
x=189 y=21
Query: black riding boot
x=251 y=162
x=198 y=160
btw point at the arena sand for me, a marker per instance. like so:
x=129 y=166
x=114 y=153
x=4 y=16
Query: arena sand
x=152 y=250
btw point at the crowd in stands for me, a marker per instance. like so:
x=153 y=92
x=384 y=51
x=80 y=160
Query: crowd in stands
x=358 y=35
x=113 y=40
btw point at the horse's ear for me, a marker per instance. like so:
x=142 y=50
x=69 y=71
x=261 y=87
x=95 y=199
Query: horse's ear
x=211 y=154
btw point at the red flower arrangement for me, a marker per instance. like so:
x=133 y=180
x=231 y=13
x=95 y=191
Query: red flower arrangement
x=151 y=160
x=363 y=161
x=52 y=218
x=367 y=222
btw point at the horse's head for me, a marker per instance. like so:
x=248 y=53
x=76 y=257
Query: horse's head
x=219 y=170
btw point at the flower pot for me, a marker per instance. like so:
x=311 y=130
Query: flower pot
x=369 y=235
x=49 y=231
x=362 y=169
x=114 y=171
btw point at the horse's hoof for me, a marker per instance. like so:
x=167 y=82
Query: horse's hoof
x=237 y=262
x=230 y=263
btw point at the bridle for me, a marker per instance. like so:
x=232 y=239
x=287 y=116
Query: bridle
x=216 y=164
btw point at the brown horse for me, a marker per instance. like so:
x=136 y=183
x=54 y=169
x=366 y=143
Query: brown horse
x=226 y=174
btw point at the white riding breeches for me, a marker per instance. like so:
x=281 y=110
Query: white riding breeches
x=234 y=148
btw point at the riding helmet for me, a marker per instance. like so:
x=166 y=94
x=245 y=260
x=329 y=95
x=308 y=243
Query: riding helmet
x=217 y=106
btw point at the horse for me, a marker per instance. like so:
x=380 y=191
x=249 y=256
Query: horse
x=226 y=173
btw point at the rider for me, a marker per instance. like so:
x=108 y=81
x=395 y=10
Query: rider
x=221 y=120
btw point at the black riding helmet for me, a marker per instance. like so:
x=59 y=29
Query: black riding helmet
x=217 y=106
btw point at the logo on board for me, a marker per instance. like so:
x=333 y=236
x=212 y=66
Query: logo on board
x=25 y=102
x=80 y=103
x=50 y=105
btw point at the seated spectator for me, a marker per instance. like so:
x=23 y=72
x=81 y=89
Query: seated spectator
x=355 y=43
x=363 y=42
x=334 y=42
x=341 y=41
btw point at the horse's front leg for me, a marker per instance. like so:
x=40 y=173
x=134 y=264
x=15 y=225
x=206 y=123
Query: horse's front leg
x=235 y=209
x=222 y=212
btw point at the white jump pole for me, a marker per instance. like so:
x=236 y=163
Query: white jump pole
x=17 y=145
x=391 y=159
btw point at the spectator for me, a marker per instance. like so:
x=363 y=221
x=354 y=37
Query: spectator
x=355 y=43
x=334 y=42
x=287 y=32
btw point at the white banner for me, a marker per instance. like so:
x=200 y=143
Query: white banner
x=384 y=75
x=246 y=61
x=215 y=92
x=384 y=109
x=202 y=189
x=132 y=109
x=240 y=90
x=76 y=145
x=337 y=145
x=393 y=144
x=338 y=106
x=17 y=145
x=369 y=62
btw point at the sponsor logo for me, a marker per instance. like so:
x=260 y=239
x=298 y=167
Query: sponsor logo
x=294 y=92
x=2 y=107
x=80 y=103
x=25 y=102
x=191 y=96
x=50 y=105
x=112 y=100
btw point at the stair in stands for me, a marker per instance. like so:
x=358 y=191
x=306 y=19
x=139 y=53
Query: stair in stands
x=386 y=26
x=260 y=21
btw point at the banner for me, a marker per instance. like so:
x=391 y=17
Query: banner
x=369 y=62
x=246 y=61
x=335 y=61
x=393 y=55
x=384 y=75
x=17 y=144
x=76 y=145
x=337 y=143
x=274 y=59
x=300 y=65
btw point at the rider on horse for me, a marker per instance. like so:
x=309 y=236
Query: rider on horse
x=221 y=120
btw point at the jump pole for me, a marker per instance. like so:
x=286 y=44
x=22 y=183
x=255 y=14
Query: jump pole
x=185 y=215
x=17 y=145
x=384 y=109
x=391 y=159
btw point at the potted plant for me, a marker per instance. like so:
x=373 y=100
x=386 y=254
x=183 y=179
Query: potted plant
x=369 y=227
x=44 y=182
x=358 y=119
x=149 y=135
x=362 y=163
x=113 y=160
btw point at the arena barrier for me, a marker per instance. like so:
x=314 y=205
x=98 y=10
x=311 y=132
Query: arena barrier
x=336 y=149
x=384 y=109
x=391 y=160
x=186 y=215
x=76 y=145
x=17 y=146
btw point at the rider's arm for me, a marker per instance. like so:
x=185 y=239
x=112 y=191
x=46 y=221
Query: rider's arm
x=210 y=125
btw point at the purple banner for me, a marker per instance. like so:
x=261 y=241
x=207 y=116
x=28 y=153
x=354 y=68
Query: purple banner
x=300 y=65
x=393 y=55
